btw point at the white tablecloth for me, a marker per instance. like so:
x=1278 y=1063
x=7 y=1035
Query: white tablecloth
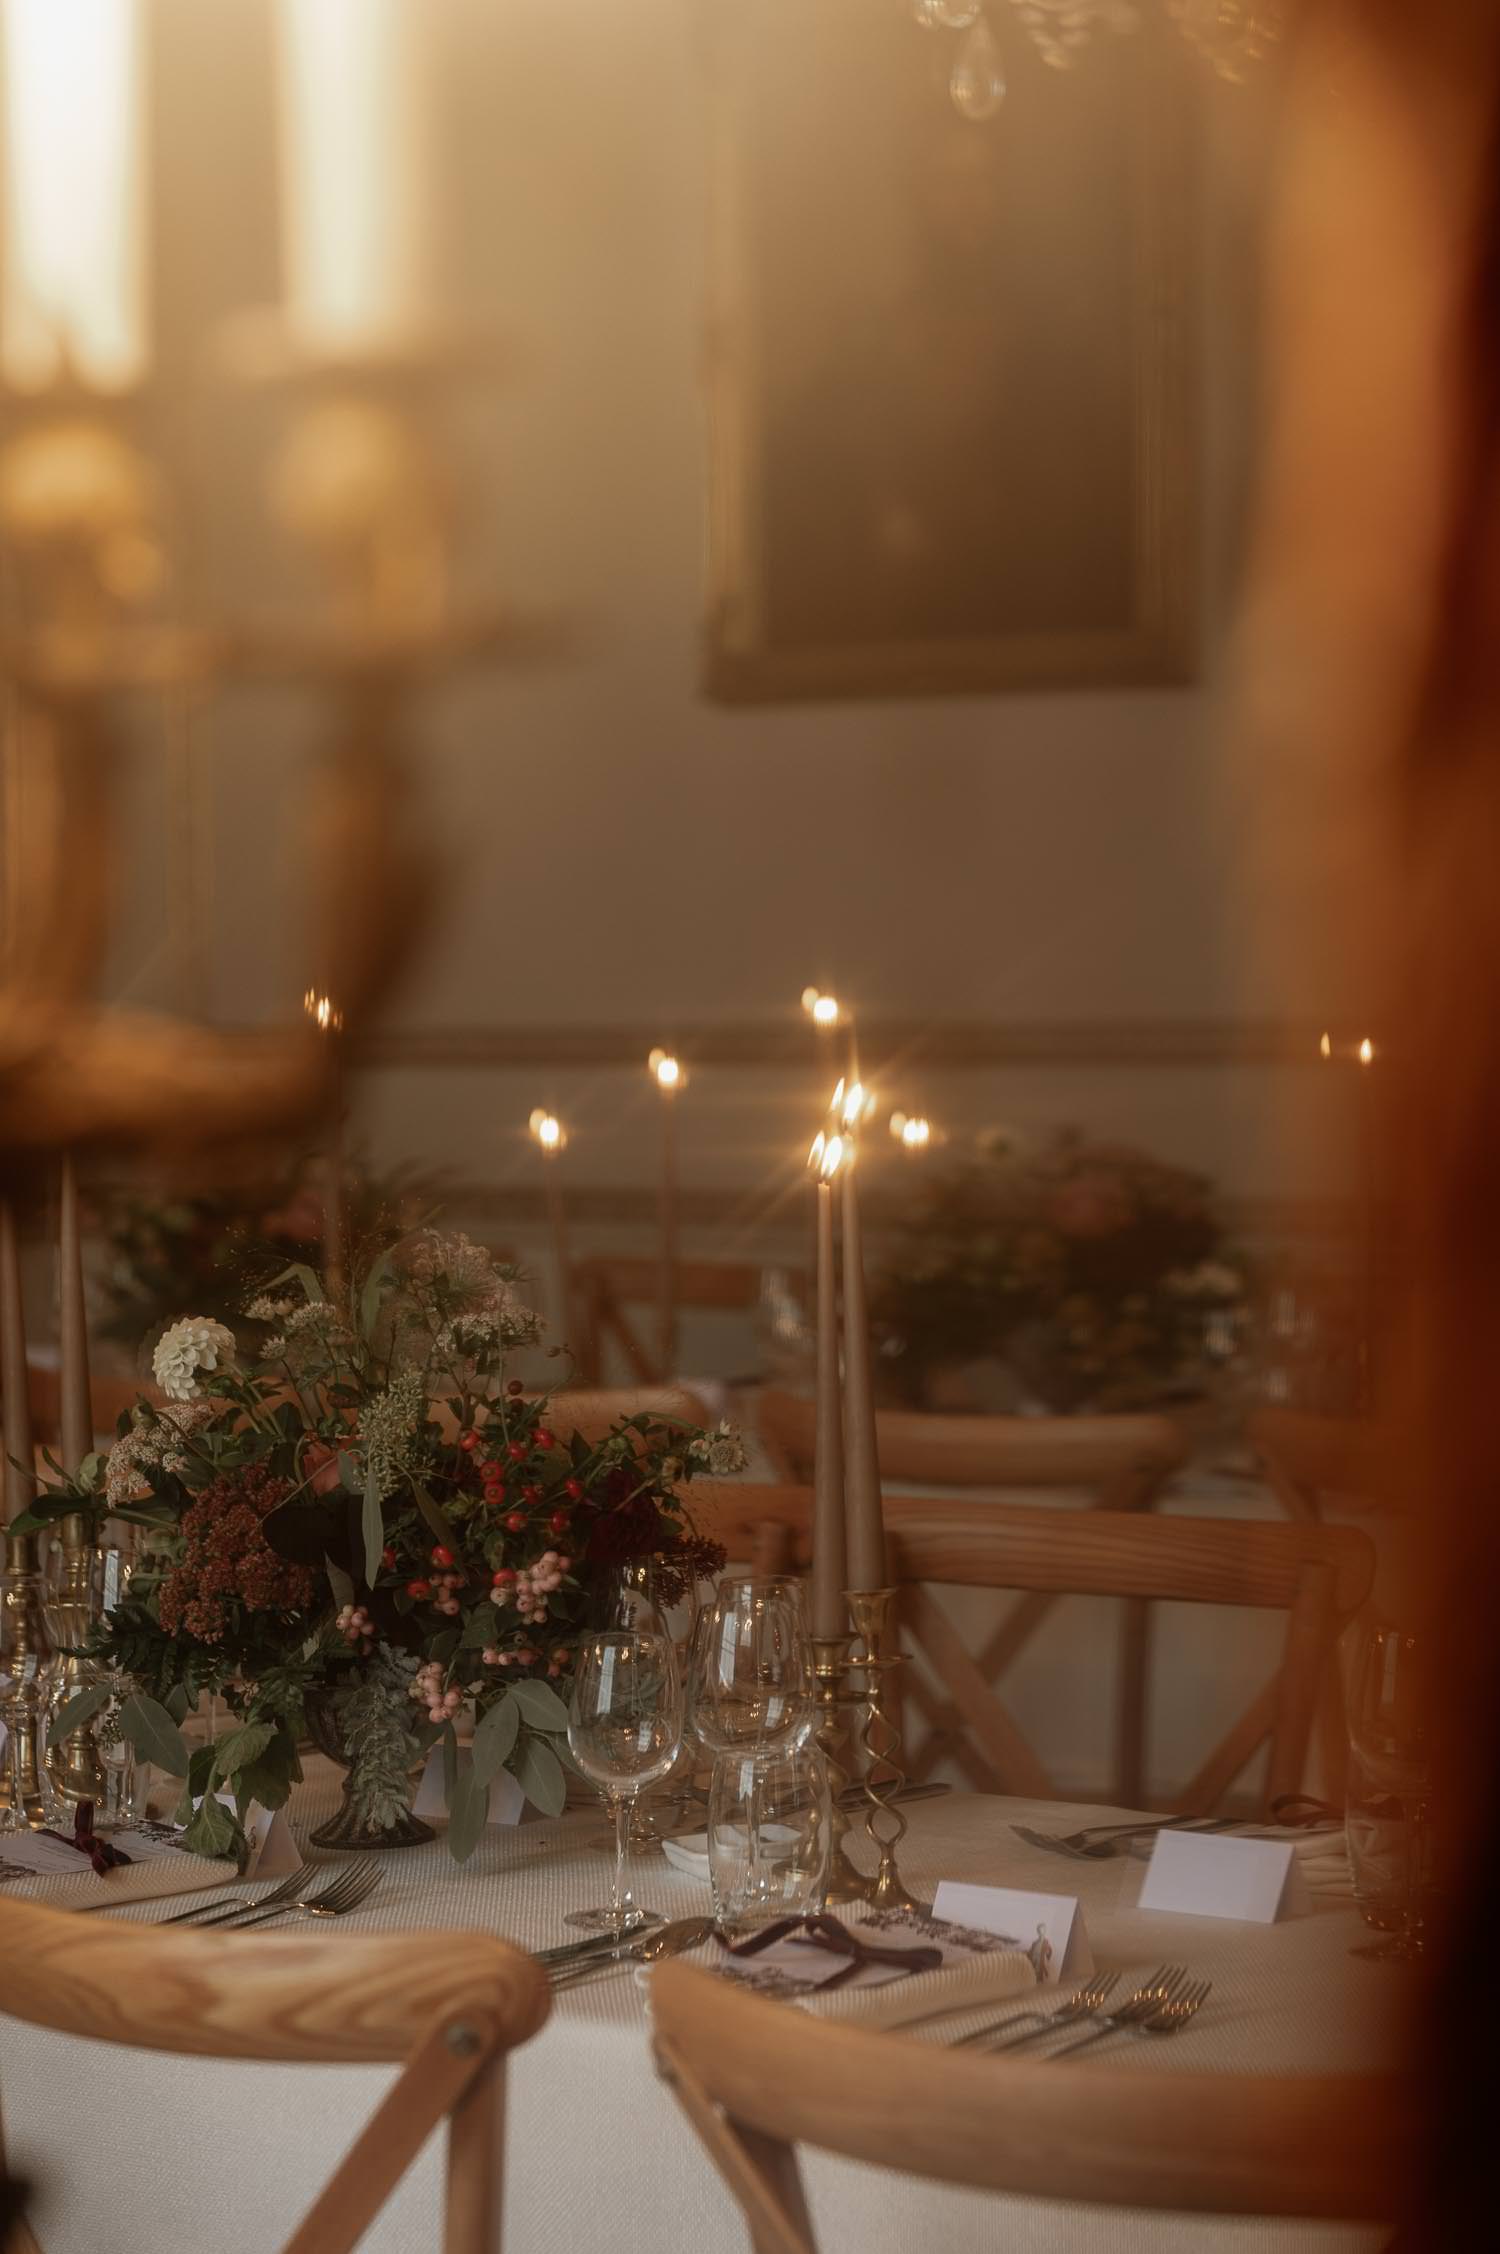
x=152 y=2155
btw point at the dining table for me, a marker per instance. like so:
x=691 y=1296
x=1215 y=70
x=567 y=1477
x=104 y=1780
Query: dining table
x=145 y=2153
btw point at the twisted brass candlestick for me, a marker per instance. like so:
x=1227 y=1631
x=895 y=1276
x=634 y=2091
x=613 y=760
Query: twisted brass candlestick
x=73 y=1762
x=30 y=1802
x=873 y=1612
x=831 y=1666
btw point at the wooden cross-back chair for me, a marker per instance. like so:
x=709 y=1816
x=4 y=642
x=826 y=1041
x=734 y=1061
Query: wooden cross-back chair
x=1307 y=1458
x=447 y=2007
x=606 y=1290
x=1318 y=1575
x=1120 y=1462
x=756 y=2080
x=594 y=1412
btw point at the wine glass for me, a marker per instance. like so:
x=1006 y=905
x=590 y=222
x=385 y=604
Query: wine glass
x=1389 y=1710
x=624 y=1729
x=751 y=1686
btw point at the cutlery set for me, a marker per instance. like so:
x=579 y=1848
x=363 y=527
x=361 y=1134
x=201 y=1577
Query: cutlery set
x=1164 y=2004
x=293 y=1896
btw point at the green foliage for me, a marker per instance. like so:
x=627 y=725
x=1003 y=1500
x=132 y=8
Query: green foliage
x=376 y=1713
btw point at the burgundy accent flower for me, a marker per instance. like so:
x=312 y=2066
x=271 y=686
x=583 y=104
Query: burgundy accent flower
x=228 y=1560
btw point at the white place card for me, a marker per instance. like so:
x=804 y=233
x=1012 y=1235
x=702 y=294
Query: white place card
x=508 y=1803
x=1049 y=1927
x=273 y=1851
x=1202 y=1874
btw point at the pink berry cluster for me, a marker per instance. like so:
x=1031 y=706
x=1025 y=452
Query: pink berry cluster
x=443 y=1586
x=427 y=1685
x=531 y=1587
x=356 y=1627
x=525 y=1657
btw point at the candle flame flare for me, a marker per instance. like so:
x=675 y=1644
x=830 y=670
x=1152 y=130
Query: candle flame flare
x=323 y=1010
x=852 y=1103
x=828 y=1154
x=547 y=1130
x=911 y=1134
x=1325 y=1046
x=1367 y=1050
x=822 y=1008
x=666 y=1071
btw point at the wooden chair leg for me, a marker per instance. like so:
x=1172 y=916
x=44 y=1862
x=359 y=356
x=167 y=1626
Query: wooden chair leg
x=1304 y=1656
x=476 y=2142
x=1131 y=1716
x=761 y=2171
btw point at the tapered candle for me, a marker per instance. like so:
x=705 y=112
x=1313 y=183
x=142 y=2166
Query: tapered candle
x=355 y=116
x=329 y=1019
x=670 y=1079
x=550 y=1136
x=20 y=1474
x=830 y=1610
x=861 y=1450
x=71 y=145
x=76 y=1408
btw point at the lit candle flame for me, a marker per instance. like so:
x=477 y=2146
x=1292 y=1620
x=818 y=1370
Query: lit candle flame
x=911 y=1134
x=666 y=1071
x=1325 y=1046
x=828 y=1154
x=1367 y=1050
x=852 y=1102
x=822 y=1008
x=547 y=1130
x=323 y=1010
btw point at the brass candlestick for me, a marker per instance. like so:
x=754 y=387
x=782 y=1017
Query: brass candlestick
x=873 y=1612
x=30 y=1803
x=73 y=1763
x=831 y=1666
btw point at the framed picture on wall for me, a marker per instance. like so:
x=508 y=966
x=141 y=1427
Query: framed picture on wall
x=951 y=363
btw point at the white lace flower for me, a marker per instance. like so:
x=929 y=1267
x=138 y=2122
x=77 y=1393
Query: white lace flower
x=155 y=1440
x=192 y=1348
x=722 y=1453
x=266 y=1308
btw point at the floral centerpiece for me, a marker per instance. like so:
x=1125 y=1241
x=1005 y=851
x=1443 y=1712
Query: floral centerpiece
x=368 y=1528
x=1100 y=1276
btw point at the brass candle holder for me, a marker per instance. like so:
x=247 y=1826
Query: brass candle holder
x=831 y=1658
x=71 y=1611
x=873 y=1612
x=29 y=1802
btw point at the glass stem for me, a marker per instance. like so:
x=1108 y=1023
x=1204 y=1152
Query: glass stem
x=621 y=1905
x=1415 y=1921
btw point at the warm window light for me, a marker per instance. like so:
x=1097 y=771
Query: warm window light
x=547 y=1130
x=323 y=1010
x=667 y=1072
x=73 y=189
x=828 y=1154
x=355 y=170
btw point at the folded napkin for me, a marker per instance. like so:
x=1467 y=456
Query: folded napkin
x=962 y=1970
x=40 y=1869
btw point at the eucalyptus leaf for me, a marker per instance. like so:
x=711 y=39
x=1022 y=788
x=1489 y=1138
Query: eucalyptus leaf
x=339 y=1582
x=372 y=1525
x=77 y=1711
x=177 y=1702
x=434 y=1514
x=311 y=1285
x=151 y=1730
x=541 y=1706
x=468 y=1806
x=247 y=1743
x=213 y=1830
x=372 y=1295
x=450 y=1760
x=494 y=1736
x=539 y=1773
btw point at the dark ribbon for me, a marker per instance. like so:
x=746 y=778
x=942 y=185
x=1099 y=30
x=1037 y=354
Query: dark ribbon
x=87 y=1840
x=1301 y=1812
x=827 y=1933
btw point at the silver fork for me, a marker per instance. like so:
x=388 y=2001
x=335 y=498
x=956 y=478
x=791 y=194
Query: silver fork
x=220 y=1912
x=1100 y=1841
x=1083 y=2002
x=1153 y=2000
x=348 y=1890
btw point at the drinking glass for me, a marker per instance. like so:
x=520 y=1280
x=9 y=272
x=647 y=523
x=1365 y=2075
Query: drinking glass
x=769 y=1825
x=751 y=1682
x=1389 y=1709
x=624 y=1728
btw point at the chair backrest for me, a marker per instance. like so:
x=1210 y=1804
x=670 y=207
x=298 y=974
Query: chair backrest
x=1318 y=1575
x=1122 y=1460
x=1307 y=1457
x=757 y=2078
x=448 y=2006
x=595 y=1412
x=606 y=1289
